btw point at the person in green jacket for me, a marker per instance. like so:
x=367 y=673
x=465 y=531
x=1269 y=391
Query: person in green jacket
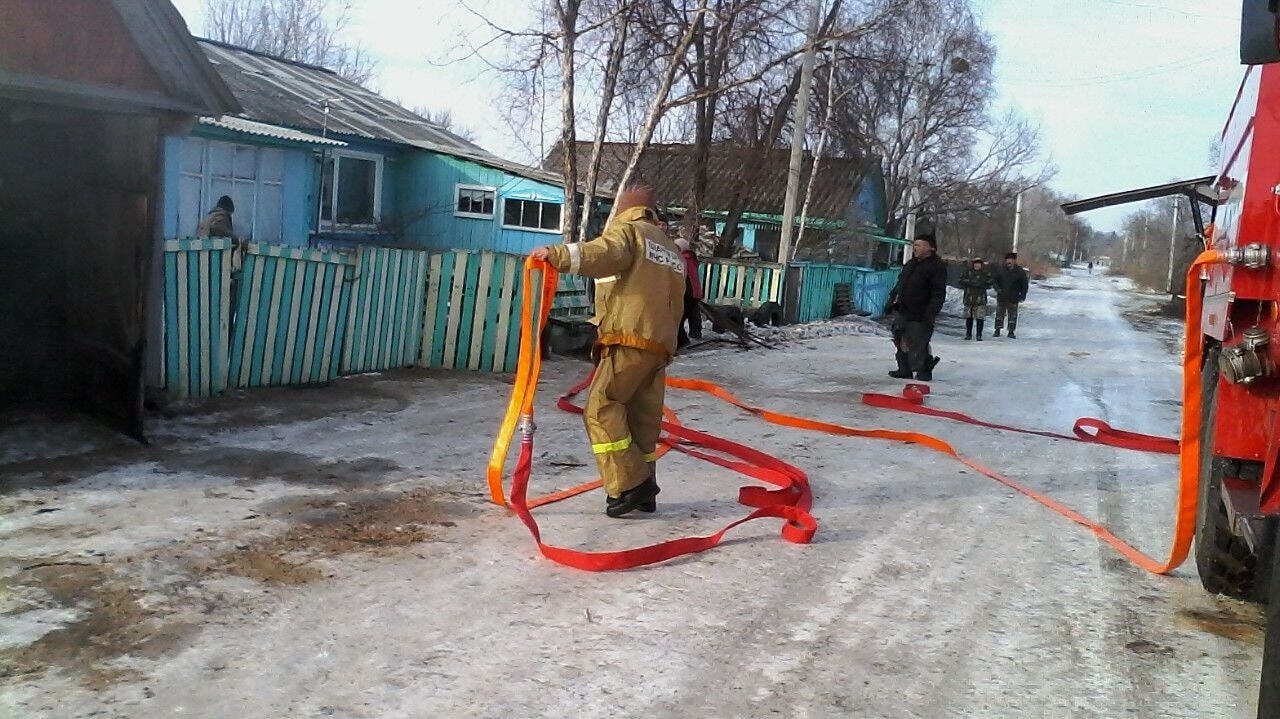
x=975 y=282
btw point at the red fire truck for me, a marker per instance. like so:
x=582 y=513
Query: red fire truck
x=1238 y=510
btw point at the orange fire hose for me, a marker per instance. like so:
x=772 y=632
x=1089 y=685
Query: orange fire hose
x=800 y=526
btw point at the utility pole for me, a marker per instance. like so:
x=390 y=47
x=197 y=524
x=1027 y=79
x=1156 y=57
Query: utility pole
x=797 y=136
x=1173 y=241
x=1017 y=221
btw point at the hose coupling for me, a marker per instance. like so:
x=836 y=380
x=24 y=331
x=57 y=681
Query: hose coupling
x=1245 y=362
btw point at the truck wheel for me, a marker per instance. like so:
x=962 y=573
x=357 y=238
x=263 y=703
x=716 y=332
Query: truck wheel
x=1269 y=686
x=1224 y=560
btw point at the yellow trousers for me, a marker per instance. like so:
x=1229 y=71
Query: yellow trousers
x=623 y=415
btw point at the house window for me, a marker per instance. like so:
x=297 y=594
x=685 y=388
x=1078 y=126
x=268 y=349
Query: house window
x=531 y=215
x=351 y=191
x=474 y=201
x=253 y=177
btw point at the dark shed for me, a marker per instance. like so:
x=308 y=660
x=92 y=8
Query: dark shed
x=87 y=90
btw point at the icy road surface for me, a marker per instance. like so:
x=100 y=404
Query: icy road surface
x=331 y=552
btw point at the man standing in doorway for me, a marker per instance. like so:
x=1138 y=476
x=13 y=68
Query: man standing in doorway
x=915 y=302
x=1011 y=289
x=639 y=304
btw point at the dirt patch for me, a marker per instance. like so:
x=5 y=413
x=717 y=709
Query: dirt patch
x=113 y=622
x=1239 y=626
x=254 y=466
x=330 y=525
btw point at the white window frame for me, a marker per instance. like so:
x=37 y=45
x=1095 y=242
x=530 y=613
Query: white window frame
x=457 y=193
x=205 y=178
x=559 y=230
x=336 y=156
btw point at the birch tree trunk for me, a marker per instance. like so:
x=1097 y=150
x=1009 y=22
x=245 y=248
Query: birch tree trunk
x=659 y=104
x=567 y=13
x=617 y=49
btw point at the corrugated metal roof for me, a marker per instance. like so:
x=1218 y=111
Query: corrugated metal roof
x=253 y=127
x=669 y=169
x=294 y=94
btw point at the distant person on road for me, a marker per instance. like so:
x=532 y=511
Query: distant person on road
x=1090 y=266
x=915 y=303
x=1011 y=290
x=692 y=295
x=638 y=308
x=975 y=282
x=218 y=222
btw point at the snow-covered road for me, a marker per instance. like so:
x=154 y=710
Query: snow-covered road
x=330 y=553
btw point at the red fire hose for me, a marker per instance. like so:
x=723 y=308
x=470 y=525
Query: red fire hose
x=791 y=499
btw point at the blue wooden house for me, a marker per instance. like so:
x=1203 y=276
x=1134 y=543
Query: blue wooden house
x=313 y=160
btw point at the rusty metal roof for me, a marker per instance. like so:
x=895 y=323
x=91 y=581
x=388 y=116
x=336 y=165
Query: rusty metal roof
x=295 y=94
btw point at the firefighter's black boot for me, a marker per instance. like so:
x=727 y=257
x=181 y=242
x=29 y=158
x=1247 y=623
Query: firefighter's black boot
x=904 y=369
x=1012 y=336
x=638 y=497
x=652 y=505
x=968 y=328
x=980 y=323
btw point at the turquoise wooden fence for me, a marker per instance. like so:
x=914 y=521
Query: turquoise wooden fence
x=869 y=289
x=472 y=318
x=197 y=294
x=384 y=324
x=742 y=283
x=291 y=314
x=872 y=289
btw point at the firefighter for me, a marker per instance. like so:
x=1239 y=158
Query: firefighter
x=915 y=303
x=1011 y=289
x=975 y=282
x=640 y=284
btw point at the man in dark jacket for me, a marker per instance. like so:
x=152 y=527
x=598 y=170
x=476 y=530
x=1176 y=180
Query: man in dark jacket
x=915 y=302
x=218 y=222
x=1011 y=289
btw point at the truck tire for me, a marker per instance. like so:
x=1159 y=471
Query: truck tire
x=1269 y=686
x=1224 y=560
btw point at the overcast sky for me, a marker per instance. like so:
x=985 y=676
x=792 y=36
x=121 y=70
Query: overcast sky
x=1126 y=92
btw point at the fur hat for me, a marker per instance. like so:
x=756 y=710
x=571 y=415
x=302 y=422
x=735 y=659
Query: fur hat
x=225 y=203
x=638 y=196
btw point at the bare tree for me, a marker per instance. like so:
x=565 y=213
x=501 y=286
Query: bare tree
x=921 y=94
x=617 y=50
x=309 y=31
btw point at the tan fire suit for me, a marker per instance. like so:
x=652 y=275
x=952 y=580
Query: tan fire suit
x=639 y=299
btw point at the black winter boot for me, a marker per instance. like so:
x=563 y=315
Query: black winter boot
x=652 y=505
x=638 y=497
x=968 y=328
x=997 y=332
x=904 y=369
x=927 y=374
x=1012 y=336
x=980 y=322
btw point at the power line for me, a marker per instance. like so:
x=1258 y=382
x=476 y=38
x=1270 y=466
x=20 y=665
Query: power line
x=1135 y=74
x=1166 y=8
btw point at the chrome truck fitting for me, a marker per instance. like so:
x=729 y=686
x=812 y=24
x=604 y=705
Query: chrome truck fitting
x=1253 y=256
x=1245 y=362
